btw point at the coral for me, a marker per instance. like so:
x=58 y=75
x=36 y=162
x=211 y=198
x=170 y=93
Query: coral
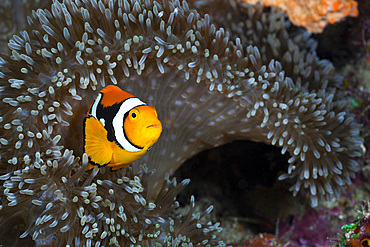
x=241 y=80
x=357 y=233
x=310 y=229
x=314 y=14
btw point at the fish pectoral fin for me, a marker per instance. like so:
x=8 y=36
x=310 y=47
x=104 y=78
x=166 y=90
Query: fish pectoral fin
x=96 y=146
x=147 y=147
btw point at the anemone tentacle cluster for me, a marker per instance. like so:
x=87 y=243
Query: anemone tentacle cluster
x=209 y=84
x=62 y=206
x=300 y=108
x=13 y=17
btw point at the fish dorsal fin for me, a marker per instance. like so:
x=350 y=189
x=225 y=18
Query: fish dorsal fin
x=97 y=146
x=113 y=95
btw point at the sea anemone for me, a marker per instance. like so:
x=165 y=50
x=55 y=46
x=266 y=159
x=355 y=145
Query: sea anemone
x=301 y=109
x=78 y=209
x=13 y=17
x=210 y=85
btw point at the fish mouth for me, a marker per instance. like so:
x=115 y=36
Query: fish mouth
x=153 y=126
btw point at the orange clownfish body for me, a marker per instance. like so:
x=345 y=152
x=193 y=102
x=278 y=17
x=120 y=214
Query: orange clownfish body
x=119 y=129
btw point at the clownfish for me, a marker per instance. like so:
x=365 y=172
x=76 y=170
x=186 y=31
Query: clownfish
x=119 y=129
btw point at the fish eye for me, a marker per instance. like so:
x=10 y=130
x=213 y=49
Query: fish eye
x=134 y=114
x=365 y=243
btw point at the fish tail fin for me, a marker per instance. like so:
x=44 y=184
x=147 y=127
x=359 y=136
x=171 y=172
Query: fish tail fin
x=96 y=145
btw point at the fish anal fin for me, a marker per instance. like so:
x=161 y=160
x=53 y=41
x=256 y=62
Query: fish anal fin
x=96 y=146
x=117 y=166
x=89 y=167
